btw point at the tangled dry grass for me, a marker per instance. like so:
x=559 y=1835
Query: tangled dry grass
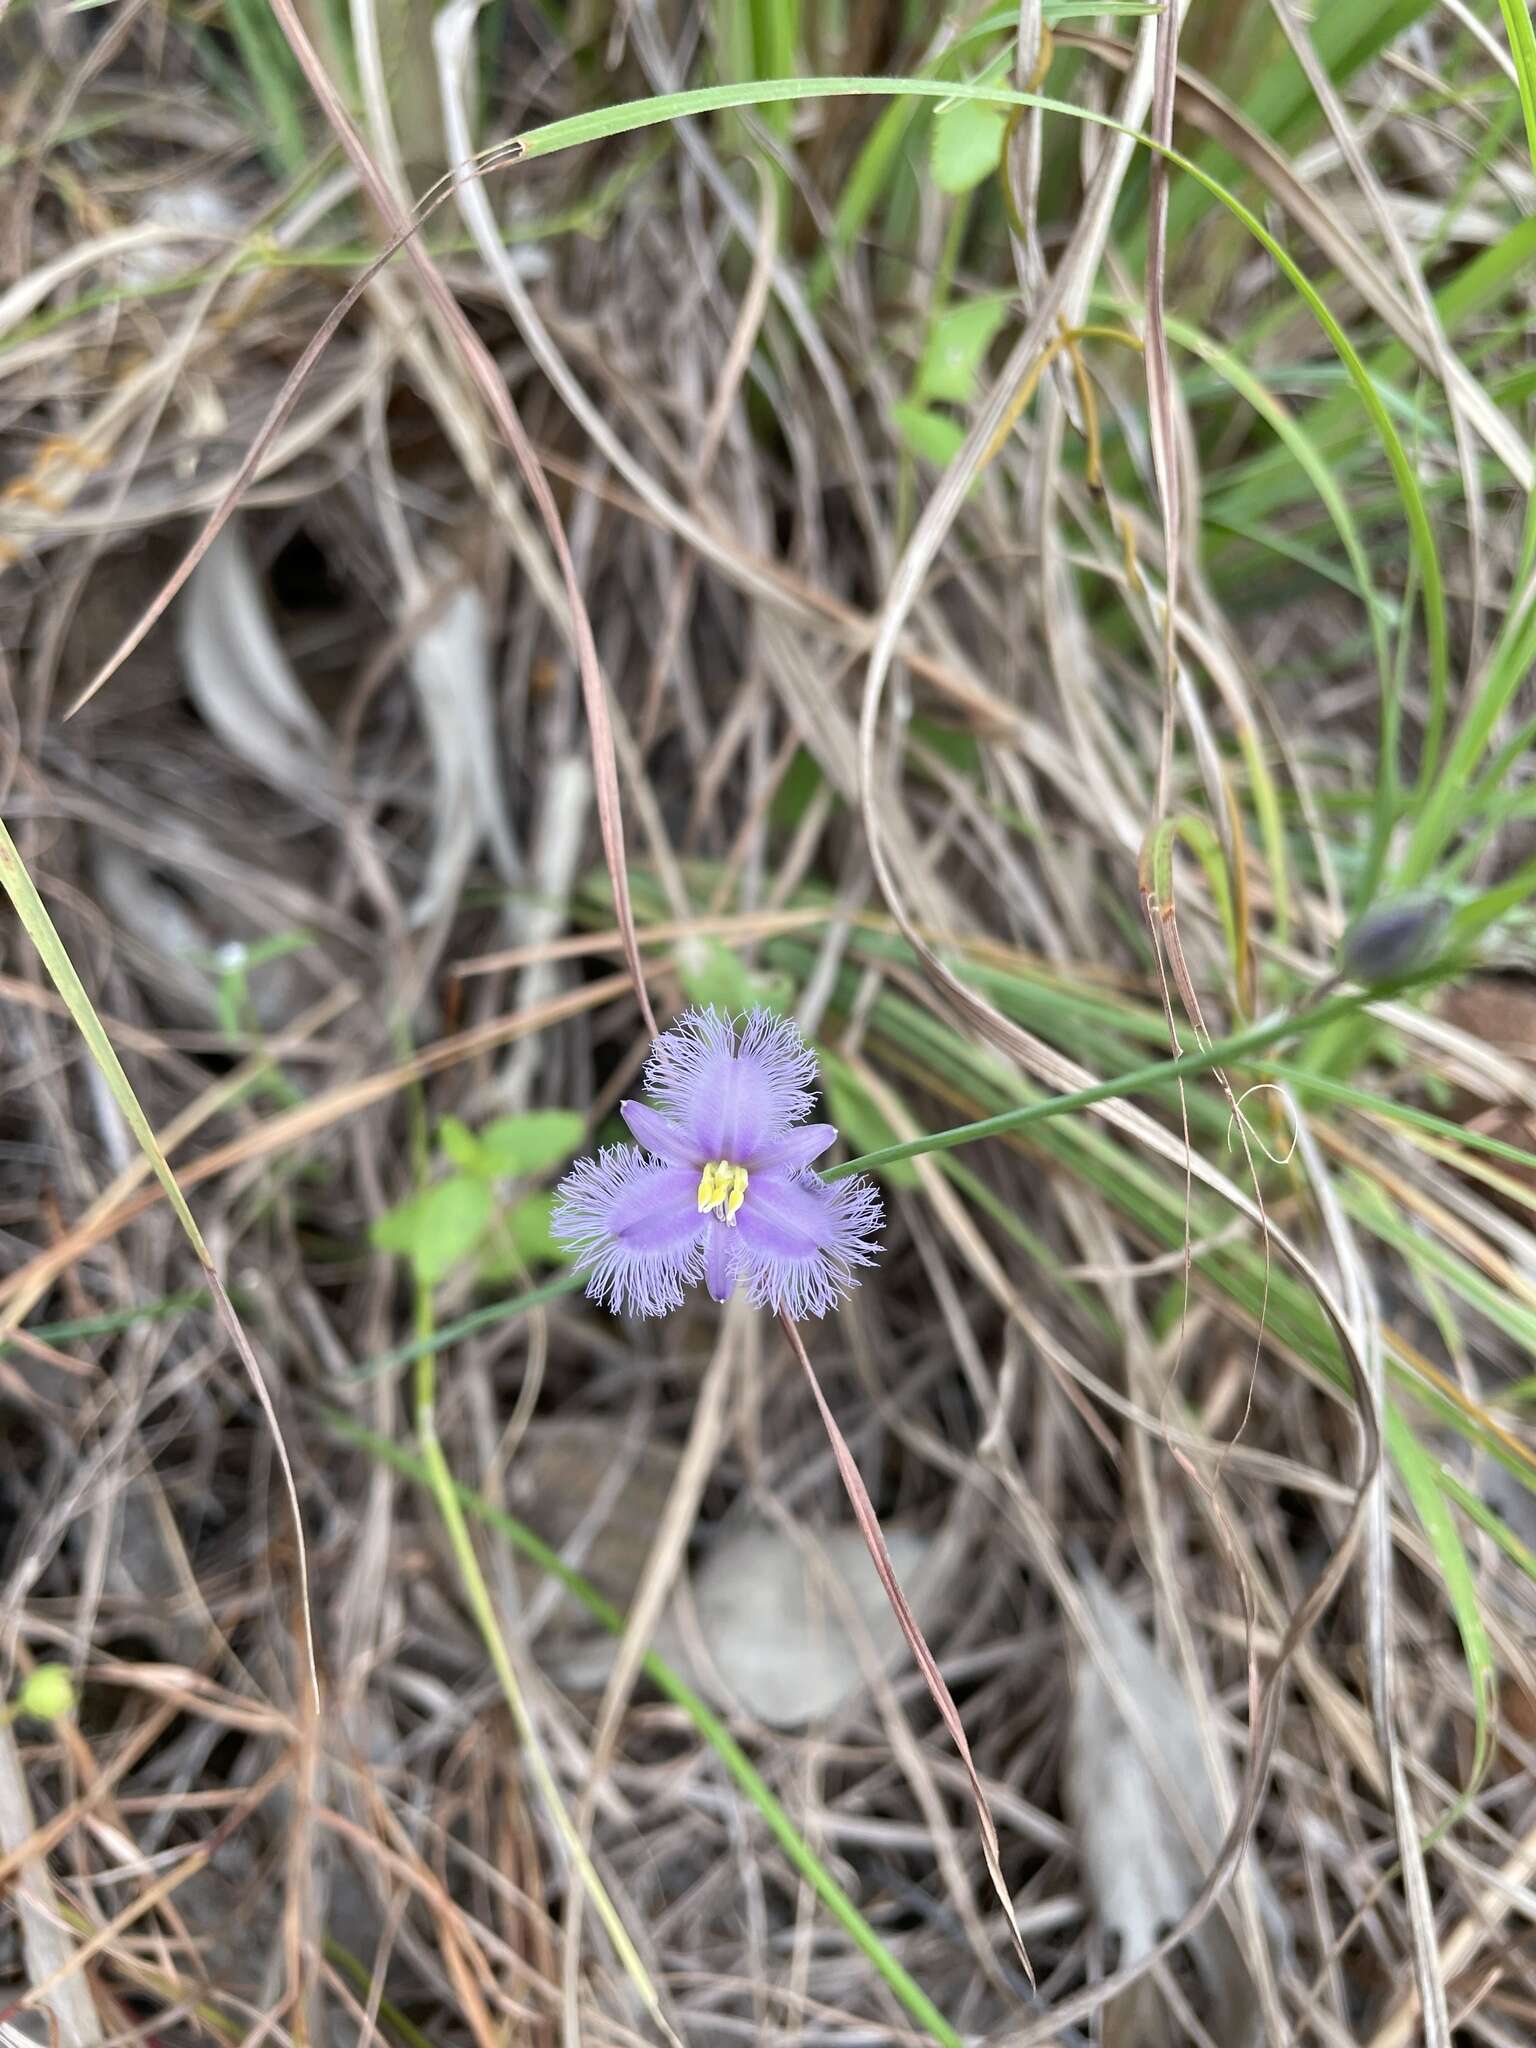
x=325 y=851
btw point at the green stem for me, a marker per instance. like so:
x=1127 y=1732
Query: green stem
x=713 y=1730
x=440 y=1483
x=485 y=1318
x=1238 y=1045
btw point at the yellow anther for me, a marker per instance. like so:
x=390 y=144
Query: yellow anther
x=722 y=1190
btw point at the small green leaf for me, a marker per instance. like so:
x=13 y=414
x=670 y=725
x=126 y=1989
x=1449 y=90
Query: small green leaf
x=513 y=1146
x=529 y=1223
x=395 y=1230
x=436 y=1228
x=797 y=786
x=956 y=348
x=961 y=749
x=931 y=436
x=522 y=1239
x=461 y=1145
x=967 y=143
x=714 y=975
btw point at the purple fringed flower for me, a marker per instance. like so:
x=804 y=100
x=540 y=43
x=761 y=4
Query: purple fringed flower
x=722 y=1190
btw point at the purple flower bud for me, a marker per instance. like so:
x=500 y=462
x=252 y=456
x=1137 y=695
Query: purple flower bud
x=1392 y=938
x=720 y=1187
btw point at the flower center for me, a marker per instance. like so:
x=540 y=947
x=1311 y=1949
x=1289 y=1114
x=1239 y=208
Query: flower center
x=722 y=1190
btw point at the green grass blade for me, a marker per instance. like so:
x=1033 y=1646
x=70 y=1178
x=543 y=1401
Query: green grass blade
x=39 y=927
x=1306 y=1083
x=713 y=1730
x=486 y=1318
x=1317 y=470
x=1236 y=1046
x=603 y=122
x=112 y=1322
x=278 y=82
x=1522 y=47
x=1421 y=1475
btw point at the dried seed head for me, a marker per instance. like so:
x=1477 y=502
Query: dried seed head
x=1393 y=938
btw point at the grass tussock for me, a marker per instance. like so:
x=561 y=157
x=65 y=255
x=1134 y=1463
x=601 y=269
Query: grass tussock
x=1004 y=535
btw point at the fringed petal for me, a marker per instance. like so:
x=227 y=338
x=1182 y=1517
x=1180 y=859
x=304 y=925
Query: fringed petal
x=802 y=1240
x=633 y=1227
x=733 y=1089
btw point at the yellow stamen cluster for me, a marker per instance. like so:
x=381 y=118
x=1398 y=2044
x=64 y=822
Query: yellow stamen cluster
x=722 y=1190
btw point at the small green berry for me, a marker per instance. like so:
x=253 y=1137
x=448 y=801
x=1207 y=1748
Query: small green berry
x=48 y=1694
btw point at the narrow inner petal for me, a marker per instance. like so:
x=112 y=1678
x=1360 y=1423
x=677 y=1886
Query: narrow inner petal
x=794 y=1149
x=722 y=1260
x=733 y=1091
x=784 y=1219
x=632 y=1226
x=664 y=1139
x=656 y=1211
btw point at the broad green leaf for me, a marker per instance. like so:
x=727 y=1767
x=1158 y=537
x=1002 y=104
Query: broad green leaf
x=529 y=1223
x=956 y=348
x=522 y=1238
x=714 y=976
x=932 y=436
x=513 y=1146
x=436 y=1228
x=460 y=1144
x=967 y=143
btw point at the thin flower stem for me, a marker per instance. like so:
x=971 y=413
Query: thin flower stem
x=1158 y=1073
x=441 y=1485
x=933 y=1678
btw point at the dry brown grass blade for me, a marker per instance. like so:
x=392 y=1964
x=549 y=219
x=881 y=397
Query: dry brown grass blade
x=582 y=945
x=286 y=399
x=489 y=383
x=114 y=1200
x=663 y=1562
x=774 y=584
x=493 y=390
x=45 y=1837
x=34 y=917
x=294 y=1126
x=1493 y=1905
x=869 y=1528
x=46 y=1947
x=1365 y=1317
x=1214 y=116
x=1265 y=1710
